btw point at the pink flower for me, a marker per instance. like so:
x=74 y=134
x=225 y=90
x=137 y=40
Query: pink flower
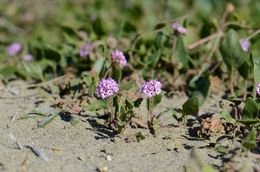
x=27 y=57
x=258 y=88
x=245 y=44
x=107 y=88
x=86 y=49
x=14 y=48
x=151 y=88
x=179 y=28
x=118 y=56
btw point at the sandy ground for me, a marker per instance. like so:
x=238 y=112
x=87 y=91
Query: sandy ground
x=90 y=147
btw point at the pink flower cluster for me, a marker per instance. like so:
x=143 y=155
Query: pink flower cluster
x=258 y=88
x=107 y=88
x=179 y=28
x=151 y=88
x=14 y=48
x=245 y=44
x=118 y=56
x=86 y=49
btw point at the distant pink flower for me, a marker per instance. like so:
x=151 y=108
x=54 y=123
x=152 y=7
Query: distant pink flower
x=245 y=44
x=107 y=88
x=151 y=88
x=27 y=57
x=14 y=48
x=258 y=88
x=179 y=28
x=86 y=49
x=119 y=57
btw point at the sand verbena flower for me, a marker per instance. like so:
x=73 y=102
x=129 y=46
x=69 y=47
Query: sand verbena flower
x=258 y=88
x=179 y=28
x=245 y=44
x=119 y=57
x=27 y=57
x=151 y=88
x=107 y=88
x=14 y=48
x=86 y=49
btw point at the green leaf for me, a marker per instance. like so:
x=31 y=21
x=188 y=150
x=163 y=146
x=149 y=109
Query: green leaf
x=52 y=54
x=248 y=122
x=228 y=118
x=128 y=104
x=74 y=121
x=257 y=69
x=8 y=70
x=159 y=40
x=250 y=141
x=156 y=100
x=128 y=85
x=208 y=168
x=191 y=106
x=47 y=120
x=98 y=65
x=117 y=73
x=148 y=104
x=231 y=50
x=180 y=56
x=139 y=136
x=138 y=102
x=153 y=59
x=55 y=89
x=251 y=109
x=34 y=70
x=159 y=26
x=221 y=149
x=244 y=70
x=199 y=87
x=97 y=105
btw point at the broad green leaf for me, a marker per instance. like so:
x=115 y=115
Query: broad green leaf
x=248 y=122
x=117 y=73
x=180 y=55
x=159 y=40
x=138 y=102
x=159 y=26
x=257 y=69
x=74 y=121
x=97 y=105
x=47 y=120
x=98 y=65
x=244 y=70
x=156 y=100
x=208 y=168
x=231 y=50
x=199 y=87
x=128 y=104
x=228 y=118
x=128 y=85
x=153 y=59
x=191 y=106
x=52 y=54
x=251 y=109
x=8 y=70
x=250 y=141
x=34 y=70
x=221 y=149
x=139 y=136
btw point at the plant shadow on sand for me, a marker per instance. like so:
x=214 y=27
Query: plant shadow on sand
x=102 y=131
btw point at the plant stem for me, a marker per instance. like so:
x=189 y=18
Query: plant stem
x=112 y=115
x=150 y=116
x=253 y=34
x=231 y=82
